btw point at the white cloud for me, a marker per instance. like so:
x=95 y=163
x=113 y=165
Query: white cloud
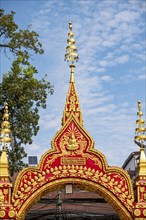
x=106 y=78
x=122 y=59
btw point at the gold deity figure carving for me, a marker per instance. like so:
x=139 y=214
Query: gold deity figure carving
x=72 y=143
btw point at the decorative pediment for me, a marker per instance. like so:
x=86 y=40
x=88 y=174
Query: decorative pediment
x=72 y=138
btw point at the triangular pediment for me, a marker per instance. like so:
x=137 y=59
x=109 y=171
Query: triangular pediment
x=72 y=138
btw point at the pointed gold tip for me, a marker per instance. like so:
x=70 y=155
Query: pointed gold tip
x=72 y=106
x=70 y=26
x=140 y=131
x=71 y=49
x=139 y=105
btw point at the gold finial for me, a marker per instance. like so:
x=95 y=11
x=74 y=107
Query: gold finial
x=70 y=26
x=72 y=106
x=5 y=131
x=71 y=48
x=140 y=140
x=140 y=130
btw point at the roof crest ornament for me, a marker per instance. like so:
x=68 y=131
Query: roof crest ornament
x=5 y=130
x=140 y=131
x=71 y=49
x=140 y=140
x=72 y=105
x=5 y=139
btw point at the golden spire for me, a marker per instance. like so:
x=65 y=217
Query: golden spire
x=140 y=140
x=4 y=165
x=5 y=131
x=72 y=102
x=5 y=138
x=140 y=130
x=142 y=162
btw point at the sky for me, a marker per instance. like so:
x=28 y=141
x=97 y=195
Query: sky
x=110 y=74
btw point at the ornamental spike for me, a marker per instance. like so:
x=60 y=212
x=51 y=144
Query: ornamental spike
x=140 y=131
x=72 y=106
x=5 y=131
x=71 y=49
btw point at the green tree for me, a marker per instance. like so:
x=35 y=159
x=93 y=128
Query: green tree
x=20 y=88
x=17 y=41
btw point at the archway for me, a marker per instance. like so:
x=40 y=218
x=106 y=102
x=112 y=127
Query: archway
x=82 y=165
x=121 y=210
x=72 y=202
x=88 y=186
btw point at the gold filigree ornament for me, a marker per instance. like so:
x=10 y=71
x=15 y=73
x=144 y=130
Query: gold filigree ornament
x=137 y=212
x=1 y=197
x=144 y=196
x=144 y=212
x=2 y=214
x=6 y=191
x=11 y=213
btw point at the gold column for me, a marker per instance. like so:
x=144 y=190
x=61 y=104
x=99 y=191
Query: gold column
x=139 y=211
x=6 y=209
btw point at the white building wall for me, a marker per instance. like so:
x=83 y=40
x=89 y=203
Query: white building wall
x=131 y=165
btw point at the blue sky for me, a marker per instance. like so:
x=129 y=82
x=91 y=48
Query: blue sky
x=110 y=75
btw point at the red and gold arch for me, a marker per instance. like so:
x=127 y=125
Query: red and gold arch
x=72 y=159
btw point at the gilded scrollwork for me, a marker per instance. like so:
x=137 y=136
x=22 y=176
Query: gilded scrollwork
x=2 y=197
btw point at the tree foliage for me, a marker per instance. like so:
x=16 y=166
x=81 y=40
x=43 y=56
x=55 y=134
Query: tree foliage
x=17 y=41
x=20 y=88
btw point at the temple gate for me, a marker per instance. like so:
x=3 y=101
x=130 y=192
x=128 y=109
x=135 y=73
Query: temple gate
x=73 y=159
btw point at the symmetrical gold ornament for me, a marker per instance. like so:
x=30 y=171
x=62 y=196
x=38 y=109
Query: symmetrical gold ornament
x=71 y=48
x=72 y=102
